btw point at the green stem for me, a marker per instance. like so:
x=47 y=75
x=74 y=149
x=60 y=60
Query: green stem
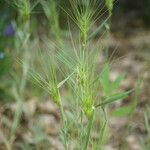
x=83 y=40
x=64 y=122
x=89 y=131
x=19 y=95
x=101 y=137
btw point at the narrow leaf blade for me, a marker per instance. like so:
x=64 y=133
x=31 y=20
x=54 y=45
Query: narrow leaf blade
x=98 y=29
x=114 y=98
x=62 y=82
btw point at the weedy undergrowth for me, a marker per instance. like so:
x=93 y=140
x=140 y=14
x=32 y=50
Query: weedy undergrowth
x=89 y=91
x=22 y=51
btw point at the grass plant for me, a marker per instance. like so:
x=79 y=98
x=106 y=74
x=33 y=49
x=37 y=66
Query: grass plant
x=82 y=78
x=22 y=51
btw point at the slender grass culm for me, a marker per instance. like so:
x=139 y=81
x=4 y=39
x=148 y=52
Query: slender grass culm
x=23 y=25
x=88 y=90
x=52 y=14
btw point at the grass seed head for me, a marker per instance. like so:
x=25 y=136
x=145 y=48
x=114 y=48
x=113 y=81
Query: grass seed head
x=87 y=103
x=84 y=15
x=81 y=75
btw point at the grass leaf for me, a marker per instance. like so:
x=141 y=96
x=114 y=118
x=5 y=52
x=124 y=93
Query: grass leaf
x=105 y=81
x=117 y=82
x=114 y=98
x=62 y=82
x=98 y=29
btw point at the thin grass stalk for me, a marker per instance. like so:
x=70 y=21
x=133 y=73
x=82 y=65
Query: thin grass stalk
x=24 y=10
x=52 y=14
x=64 y=122
x=100 y=139
x=90 y=124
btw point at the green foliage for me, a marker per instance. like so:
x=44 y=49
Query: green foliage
x=5 y=62
x=109 y=5
x=109 y=87
x=101 y=140
x=66 y=69
x=114 y=97
x=98 y=29
x=51 y=11
x=48 y=80
x=25 y=8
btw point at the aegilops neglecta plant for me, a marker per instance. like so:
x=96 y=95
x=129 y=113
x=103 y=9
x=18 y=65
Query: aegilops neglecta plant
x=83 y=78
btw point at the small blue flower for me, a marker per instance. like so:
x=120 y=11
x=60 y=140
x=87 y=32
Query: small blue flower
x=2 y=55
x=9 y=30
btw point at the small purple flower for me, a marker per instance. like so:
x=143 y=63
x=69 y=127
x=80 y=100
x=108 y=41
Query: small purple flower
x=9 y=30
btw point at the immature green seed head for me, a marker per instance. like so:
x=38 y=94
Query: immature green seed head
x=54 y=91
x=55 y=95
x=81 y=75
x=84 y=15
x=87 y=103
x=84 y=24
